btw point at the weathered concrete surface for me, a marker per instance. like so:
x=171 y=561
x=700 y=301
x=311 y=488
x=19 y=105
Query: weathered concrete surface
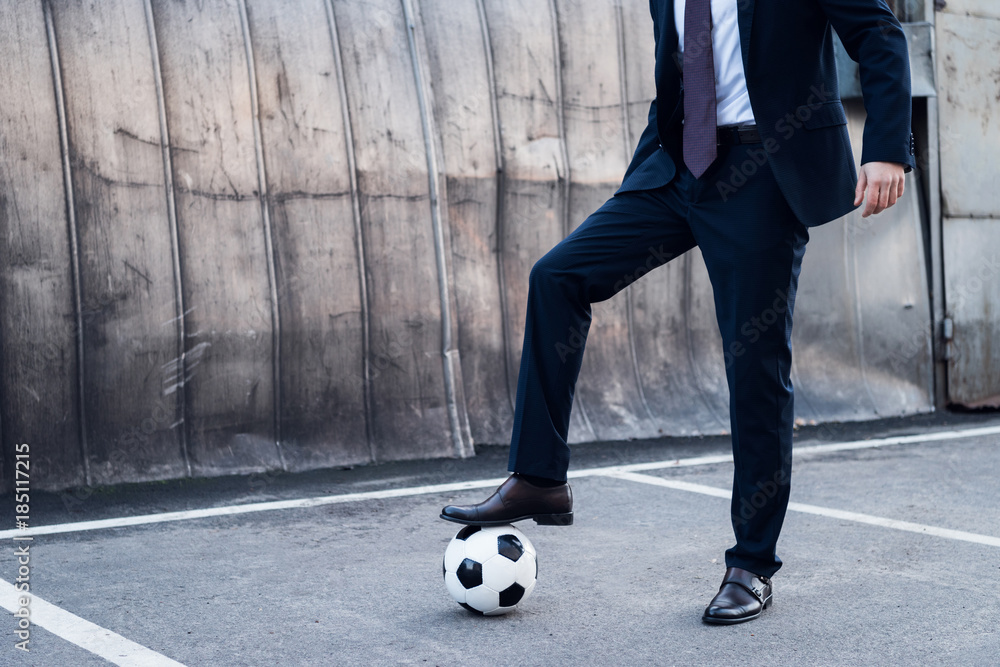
x=312 y=212
x=39 y=394
x=262 y=278
x=972 y=274
x=126 y=251
x=968 y=42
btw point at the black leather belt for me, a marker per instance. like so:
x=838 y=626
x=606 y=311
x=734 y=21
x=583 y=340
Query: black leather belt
x=731 y=135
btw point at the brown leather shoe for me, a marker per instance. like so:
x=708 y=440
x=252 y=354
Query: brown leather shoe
x=515 y=500
x=743 y=596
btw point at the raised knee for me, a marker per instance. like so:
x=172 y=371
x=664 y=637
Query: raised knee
x=545 y=270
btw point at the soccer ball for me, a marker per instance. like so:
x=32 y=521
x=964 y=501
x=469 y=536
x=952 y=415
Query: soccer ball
x=489 y=571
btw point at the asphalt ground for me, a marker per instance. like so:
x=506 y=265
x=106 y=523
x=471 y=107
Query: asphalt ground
x=891 y=551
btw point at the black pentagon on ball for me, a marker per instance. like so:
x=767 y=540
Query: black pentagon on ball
x=511 y=596
x=510 y=546
x=470 y=573
x=466 y=532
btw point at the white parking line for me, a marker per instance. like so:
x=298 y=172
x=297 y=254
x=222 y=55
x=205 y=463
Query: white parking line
x=318 y=501
x=856 y=517
x=804 y=451
x=112 y=647
x=230 y=510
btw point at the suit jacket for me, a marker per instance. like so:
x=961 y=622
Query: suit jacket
x=791 y=76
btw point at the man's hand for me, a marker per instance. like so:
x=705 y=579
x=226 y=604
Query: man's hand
x=884 y=182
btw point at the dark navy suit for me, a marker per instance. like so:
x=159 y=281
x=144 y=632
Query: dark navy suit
x=749 y=214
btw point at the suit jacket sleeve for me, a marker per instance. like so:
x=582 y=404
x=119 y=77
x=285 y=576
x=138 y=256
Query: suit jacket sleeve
x=874 y=39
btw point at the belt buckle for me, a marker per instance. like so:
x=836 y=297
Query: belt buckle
x=748 y=134
x=724 y=135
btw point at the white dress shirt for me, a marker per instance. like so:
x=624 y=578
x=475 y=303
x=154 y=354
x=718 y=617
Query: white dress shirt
x=732 y=98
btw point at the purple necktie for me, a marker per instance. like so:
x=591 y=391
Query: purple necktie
x=700 y=133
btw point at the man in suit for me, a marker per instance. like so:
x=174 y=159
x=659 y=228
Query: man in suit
x=745 y=149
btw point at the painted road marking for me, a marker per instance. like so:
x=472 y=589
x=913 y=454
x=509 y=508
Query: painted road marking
x=802 y=451
x=230 y=510
x=100 y=641
x=856 y=517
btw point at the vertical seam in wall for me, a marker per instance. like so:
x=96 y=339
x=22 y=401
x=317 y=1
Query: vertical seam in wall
x=940 y=364
x=566 y=180
x=345 y=111
x=501 y=184
x=801 y=397
x=180 y=370
x=73 y=233
x=623 y=77
x=627 y=137
x=851 y=248
x=268 y=235
x=458 y=441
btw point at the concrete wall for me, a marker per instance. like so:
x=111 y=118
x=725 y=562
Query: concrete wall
x=239 y=235
x=968 y=43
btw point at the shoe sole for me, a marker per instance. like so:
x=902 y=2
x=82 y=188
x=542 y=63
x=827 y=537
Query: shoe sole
x=733 y=621
x=565 y=519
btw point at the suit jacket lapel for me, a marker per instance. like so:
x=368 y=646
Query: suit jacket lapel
x=668 y=30
x=667 y=56
x=745 y=8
